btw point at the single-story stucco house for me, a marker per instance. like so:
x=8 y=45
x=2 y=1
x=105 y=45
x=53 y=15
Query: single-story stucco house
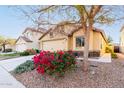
x=71 y=37
x=29 y=39
x=122 y=40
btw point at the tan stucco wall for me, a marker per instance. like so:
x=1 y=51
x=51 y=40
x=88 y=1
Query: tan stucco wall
x=99 y=42
x=81 y=33
x=104 y=44
x=70 y=43
x=95 y=41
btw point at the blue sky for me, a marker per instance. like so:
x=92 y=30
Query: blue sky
x=12 y=24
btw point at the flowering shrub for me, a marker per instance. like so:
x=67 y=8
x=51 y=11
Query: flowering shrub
x=56 y=63
x=31 y=51
x=28 y=52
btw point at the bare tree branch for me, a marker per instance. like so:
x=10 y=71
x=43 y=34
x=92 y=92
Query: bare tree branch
x=46 y=9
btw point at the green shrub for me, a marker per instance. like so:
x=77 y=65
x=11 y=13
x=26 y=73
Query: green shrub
x=28 y=52
x=37 y=50
x=108 y=50
x=114 y=55
x=27 y=66
x=25 y=53
x=31 y=51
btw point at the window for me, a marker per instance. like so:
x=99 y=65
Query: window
x=51 y=34
x=79 y=41
x=29 y=35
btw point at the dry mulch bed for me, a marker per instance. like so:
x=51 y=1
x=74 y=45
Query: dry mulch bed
x=107 y=75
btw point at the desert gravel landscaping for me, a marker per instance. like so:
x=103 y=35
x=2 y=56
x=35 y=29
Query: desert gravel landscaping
x=107 y=75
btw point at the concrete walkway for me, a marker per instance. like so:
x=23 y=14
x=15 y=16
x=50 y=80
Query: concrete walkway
x=120 y=55
x=6 y=79
x=106 y=58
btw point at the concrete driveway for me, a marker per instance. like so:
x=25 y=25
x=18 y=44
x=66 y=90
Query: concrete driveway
x=11 y=64
x=6 y=79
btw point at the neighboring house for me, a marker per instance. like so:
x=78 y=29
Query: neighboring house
x=71 y=37
x=9 y=46
x=29 y=39
x=122 y=40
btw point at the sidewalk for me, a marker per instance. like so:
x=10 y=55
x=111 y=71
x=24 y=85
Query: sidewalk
x=8 y=81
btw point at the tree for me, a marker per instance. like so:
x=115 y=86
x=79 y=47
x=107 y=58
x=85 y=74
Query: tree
x=109 y=39
x=87 y=16
x=87 y=21
x=5 y=41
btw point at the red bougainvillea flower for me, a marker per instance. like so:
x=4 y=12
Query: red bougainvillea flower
x=47 y=52
x=49 y=64
x=36 y=59
x=41 y=53
x=68 y=63
x=52 y=56
x=46 y=59
x=60 y=60
x=40 y=70
x=60 y=53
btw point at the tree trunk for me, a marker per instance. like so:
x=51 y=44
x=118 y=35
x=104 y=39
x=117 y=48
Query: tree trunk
x=4 y=48
x=86 y=49
x=86 y=44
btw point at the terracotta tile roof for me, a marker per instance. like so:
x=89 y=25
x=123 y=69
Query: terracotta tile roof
x=64 y=28
x=39 y=30
x=24 y=38
x=68 y=29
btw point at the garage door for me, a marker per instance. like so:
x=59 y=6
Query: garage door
x=54 y=45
